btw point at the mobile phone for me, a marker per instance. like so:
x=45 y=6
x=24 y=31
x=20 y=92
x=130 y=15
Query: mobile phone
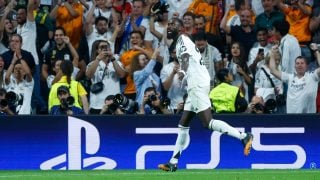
x=261 y=51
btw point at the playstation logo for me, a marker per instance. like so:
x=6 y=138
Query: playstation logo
x=72 y=160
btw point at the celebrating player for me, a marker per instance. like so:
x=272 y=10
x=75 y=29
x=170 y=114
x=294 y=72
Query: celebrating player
x=198 y=102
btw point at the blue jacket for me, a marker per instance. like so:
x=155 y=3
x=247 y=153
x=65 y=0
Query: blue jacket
x=56 y=110
x=143 y=79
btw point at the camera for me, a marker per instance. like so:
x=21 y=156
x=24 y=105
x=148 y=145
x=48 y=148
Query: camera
x=164 y=102
x=259 y=107
x=261 y=51
x=67 y=103
x=3 y=103
x=270 y=105
x=14 y=99
x=122 y=102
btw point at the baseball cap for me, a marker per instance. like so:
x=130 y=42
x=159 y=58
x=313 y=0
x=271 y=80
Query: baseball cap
x=63 y=89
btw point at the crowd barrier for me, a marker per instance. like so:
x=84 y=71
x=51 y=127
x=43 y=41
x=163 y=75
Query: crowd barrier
x=142 y=142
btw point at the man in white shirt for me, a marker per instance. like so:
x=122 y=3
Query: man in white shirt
x=98 y=31
x=19 y=80
x=172 y=80
x=198 y=102
x=302 y=85
x=28 y=31
x=259 y=50
x=289 y=46
x=210 y=55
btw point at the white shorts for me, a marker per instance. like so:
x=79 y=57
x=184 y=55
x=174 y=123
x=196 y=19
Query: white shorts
x=198 y=99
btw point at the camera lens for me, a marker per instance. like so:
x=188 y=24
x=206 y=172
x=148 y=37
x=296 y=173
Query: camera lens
x=258 y=107
x=3 y=103
x=153 y=97
x=70 y=100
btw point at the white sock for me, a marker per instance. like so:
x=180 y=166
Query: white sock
x=182 y=139
x=224 y=128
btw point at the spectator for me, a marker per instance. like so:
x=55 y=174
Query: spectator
x=315 y=30
x=4 y=104
x=209 y=9
x=153 y=104
x=265 y=80
x=76 y=89
x=122 y=6
x=158 y=23
x=27 y=30
x=233 y=11
x=143 y=74
x=15 y=50
x=68 y=15
x=212 y=39
x=45 y=29
x=243 y=33
x=188 y=23
x=172 y=80
x=134 y=22
x=56 y=73
x=2 y=73
x=66 y=106
x=225 y=97
x=106 y=69
x=298 y=16
x=302 y=85
x=242 y=76
x=289 y=46
x=210 y=55
x=315 y=23
x=99 y=31
x=62 y=50
x=102 y=8
x=6 y=28
x=19 y=80
x=270 y=15
x=178 y=8
x=259 y=50
x=136 y=41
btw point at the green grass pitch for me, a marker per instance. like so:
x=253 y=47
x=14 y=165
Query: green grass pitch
x=242 y=174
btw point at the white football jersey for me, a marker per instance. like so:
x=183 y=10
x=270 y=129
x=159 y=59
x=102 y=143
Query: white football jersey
x=196 y=74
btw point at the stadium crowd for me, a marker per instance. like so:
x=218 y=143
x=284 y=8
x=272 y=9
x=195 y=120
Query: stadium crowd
x=119 y=56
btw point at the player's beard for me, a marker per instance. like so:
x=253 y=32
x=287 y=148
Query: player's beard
x=172 y=34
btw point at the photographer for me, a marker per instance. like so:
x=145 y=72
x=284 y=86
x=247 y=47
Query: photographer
x=256 y=106
x=66 y=106
x=110 y=107
x=264 y=102
x=4 y=105
x=153 y=104
x=19 y=84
